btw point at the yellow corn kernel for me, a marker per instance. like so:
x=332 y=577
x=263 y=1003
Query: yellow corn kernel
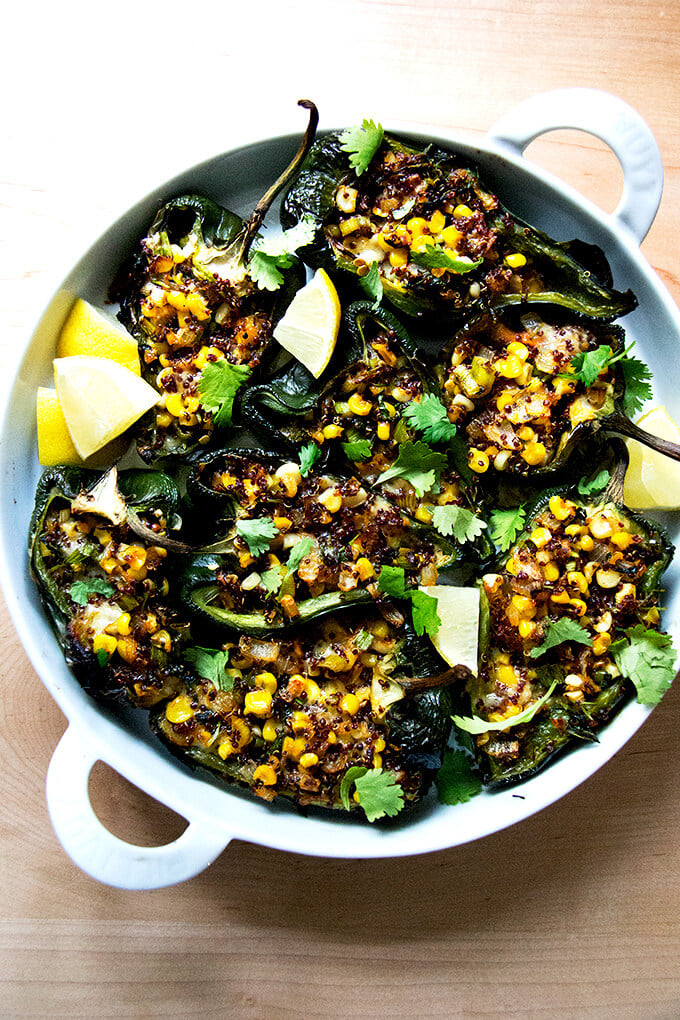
x=332 y=431
x=526 y=628
x=626 y=591
x=586 y=543
x=191 y=404
x=509 y=367
x=269 y=731
x=561 y=597
x=398 y=258
x=163 y=265
x=349 y=704
x=331 y=499
x=416 y=226
x=478 y=461
x=451 y=236
x=574 y=529
x=562 y=387
x=244 y=560
x=524 y=605
x=383 y=430
x=267 y=681
x=293 y=748
x=123 y=624
x=560 y=508
x=621 y=539
x=174 y=405
x=506 y=675
x=127 y=648
x=163 y=420
x=365 y=568
x=551 y=572
x=176 y=299
x=108 y=564
x=179 y=710
x=519 y=349
x=579 y=605
x=283 y=523
x=526 y=433
x=164 y=360
x=576 y=578
x=197 y=305
x=225 y=748
x=540 y=537
x=104 y=643
x=201 y=359
x=359 y=406
x=299 y=722
x=534 y=453
x=422 y=242
x=134 y=556
x=379 y=745
x=265 y=774
x=308 y=760
x=240 y=731
x=600 y=527
x=511 y=566
x=258 y=703
x=515 y=260
x=312 y=691
x=437 y=221
x=462 y=211
x=505 y=399
x=423 y=514
x=601 y=643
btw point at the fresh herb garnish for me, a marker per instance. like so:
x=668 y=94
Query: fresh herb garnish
x=637 y=380
x=102 y=658
x=474 y=724
x=309 y=454
x=210 y=663
x=392 y=581
x=272 y=579
x=648 y=659
x=257 y=532
x=378 y=792
x=219 y=383
x=434 y=257
x=298 y=553
x=588 y=365
x=270 y=255
x=505 y=525
x=362 y=143
x=588 y=486
x=371 y=284
x=456 y=782
x=358 y=449
x=418 y=464
x=559 y=631
x=80 y=591
x=429 y=417
x=459 y=522
x=363 y=640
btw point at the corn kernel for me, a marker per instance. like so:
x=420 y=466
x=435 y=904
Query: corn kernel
x=267 y=681
x=515 y=260
x=283 y=523
x=163 y=420
x=359 y=406
x=240 y=732
x=540 y=537
x=600 y=527
x=245 y=559
x=621 y=539
x=174 y=405
x=551 y=572
x=437 y=221
x=258 y=703
x=383 y=430
x=534 y=453
x=586 y=543
x=421 y=243
x=506 y=675
x=519 y=349
x=123 y=624
x=293 y=748
x=461 y=211
x=332 y=431
x=423 y=514
x=349 y=704
x=560 y=508
x=580 y=606
x=526 y=628
x=269 y=731
x=576 y=578
x=299 y=722
x=601 y=643
x=179 y=710
x=331 y=499
x=265 y=774
x=524 y=605
x=478 y=461
x=198 y=307
x=416 y=226
x=308 y=760
x=562 y=598
x=365 y=568
x=127 y=648
x=104 y=643
x=225 y=748
x=398 y=258
x=509 y=367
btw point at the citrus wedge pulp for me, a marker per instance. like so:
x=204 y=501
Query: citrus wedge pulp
x=100 y=399
x=457 y=639
x=55 y=445
x=310 y=324
x=87 y=331
x=652 y=480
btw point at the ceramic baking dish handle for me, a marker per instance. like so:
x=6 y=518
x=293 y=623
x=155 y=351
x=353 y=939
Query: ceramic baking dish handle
x=609 y=118
x=99 y=853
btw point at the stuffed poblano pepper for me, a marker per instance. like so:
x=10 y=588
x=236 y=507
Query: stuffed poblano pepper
x=105 y=589
x=441 y=244
x=202 y=295
x=573 y=620
x=325 y=718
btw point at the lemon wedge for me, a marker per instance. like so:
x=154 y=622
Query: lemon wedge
x=87 y=331
x=457 y=640
x=310 y=324
x=55 y=445
x=100 y=399
x=652 y=480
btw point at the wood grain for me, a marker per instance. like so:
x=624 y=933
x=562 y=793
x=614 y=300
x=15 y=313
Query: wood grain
x=573 y=912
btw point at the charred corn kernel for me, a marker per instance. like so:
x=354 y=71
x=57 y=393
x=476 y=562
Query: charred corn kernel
x=240 y=731
x=225 y=748
x=604 y=623
x=164 y=360
x=331 y=499
x=104 y=643
x=579 y=605
x=574 y=529
x=478 y=461
x=191 y=404
x=134 y=556
x=519 y=349
x=283 y=523
x=509 y=367
x=551 y=572
x=163 y=420
x=163 y=265
x=179 y=710
x=108 y=564
x=621 y=539
x=562 y=598
x=123 y=624
x=299 y=722
x=127 y=648
x=451 y=236
x=265 y=774
x=560 y=508
x=161 y=639
x=174 y=405
x=197 y=305
x=586 y=543
x=512 y=566
x=576 y=578
x=294 y=748
x=269 y=731
x=359 y=406
x=289 y=476
x=312 y=691
x=506 y=675
x=526 y=628
x=308 y=760
x=423 y=514
x=267 y=681
x=244 y=560
x=349 y=704
x=626 y=591
x=437 y=221
x=365 y=568
x=534 y=453
x=398 y=258
x=333 y=431
x=383 y=430
x=515 y=260
x=540 y=537
x=601 y=643
x=526 y=433
x=416 y=226
x=607 y=578
x=504 y=400
x=258 y=703
x=461 y=211
x=524 y=605
x=420 y=243
x=600 y=527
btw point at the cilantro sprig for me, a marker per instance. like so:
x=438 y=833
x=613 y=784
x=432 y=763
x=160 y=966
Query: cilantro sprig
x=219 y=383
x=428 y=416
x=378 y=792
x=559 y=631
x=588 y=365
x=392 y=581
x=80 y=591
x=257 y=532
x=589 y=486
x=268 y=256
x=418 y=464
x=456 y=782
x=372 y=285
x=210 y=663
x=362 y=143
x=505 y=526
x=276 y=576
x=358 y=449
x=648 y=659
x=434 y=257
x=309 y=454
x=459 y=522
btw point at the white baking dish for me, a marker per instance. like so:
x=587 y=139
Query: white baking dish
x=216 y=814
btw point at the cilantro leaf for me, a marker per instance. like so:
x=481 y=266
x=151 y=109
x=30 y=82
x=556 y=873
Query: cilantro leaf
x=102 y=658
x=265 y=270
x=210 y=663
x=505 y=525
x=456 y=782
x=434 y=257
x=80 y=591
x=648 y=659
x=371 y=284
x=429 y=417
x=588 y=486
x=424 y=612
x=363 y=640
x=309 y=455
x=219 y=383
x=475 y=724
x=418 y=464
x=358 y=449
x=459 y=522
x=298 y=553
x=257 y=532
x=392 y=581
x=378 y=792
x=270 y=255
x=559 y=631
x=272 y=579
x=362 y=143
x=589 y=364
x=638 y=391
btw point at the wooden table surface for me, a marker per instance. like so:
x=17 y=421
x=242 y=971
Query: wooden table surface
x=575 y=911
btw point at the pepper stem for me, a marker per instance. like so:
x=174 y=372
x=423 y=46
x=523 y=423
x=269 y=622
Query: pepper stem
x=621 y=425
x=416 y=684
